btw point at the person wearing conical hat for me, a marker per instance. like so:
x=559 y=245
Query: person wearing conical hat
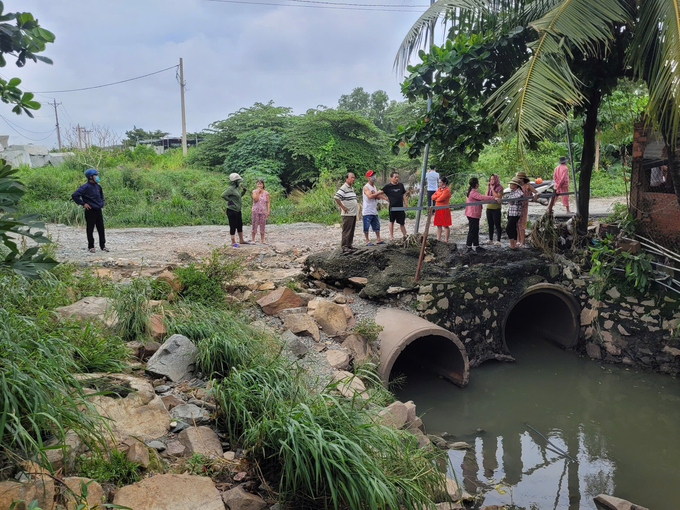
x=529 y=191
x=514 y=210
x=561 y=180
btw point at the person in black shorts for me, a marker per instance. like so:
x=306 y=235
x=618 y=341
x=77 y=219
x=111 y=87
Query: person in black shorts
x=396 y=194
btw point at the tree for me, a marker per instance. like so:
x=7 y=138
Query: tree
x=136 y=134
x=22 y=39
x=577 y=51
x=258 y=154
x=359 y=101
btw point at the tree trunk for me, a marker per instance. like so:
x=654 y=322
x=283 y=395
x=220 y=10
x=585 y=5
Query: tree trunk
x=588 y=156
x=674 y=169
x=597 y=151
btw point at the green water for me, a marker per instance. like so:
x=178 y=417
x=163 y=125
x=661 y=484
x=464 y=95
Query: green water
x=622 y=426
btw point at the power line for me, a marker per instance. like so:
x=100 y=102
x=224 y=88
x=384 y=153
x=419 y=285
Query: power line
x=27 y=130
x=315 y=6
x=66 y=112
x=401 y=6
x=24 y=136
x=106 y=84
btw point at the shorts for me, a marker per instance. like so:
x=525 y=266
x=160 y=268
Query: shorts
x=372 y=221
x=398 y=216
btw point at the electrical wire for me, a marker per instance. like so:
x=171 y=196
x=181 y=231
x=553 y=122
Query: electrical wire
x=66 y=112
x=24 y=136
x=106 y=84
x=400 y=6
x=27 y=130
x=333 y=6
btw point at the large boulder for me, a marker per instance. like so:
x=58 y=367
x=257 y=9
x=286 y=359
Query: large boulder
x=239 y=499
x=171 y=492
x=92 y=308
x=605 y=502
x=395 y=415
x=302 y=324
x=140 y=413
x=201 y=440
x=74 y=487
x=174 y=360
x=39 y=487
x=280 y=299
x=330 y=316
x=359 y=347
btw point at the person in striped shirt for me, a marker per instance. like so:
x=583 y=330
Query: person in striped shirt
x=346 y=199
x=514 y=210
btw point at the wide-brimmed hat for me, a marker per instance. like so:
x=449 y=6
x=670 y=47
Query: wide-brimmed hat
x=234 y=177
x=515 y=180
x=521 y=175
x=563 y=160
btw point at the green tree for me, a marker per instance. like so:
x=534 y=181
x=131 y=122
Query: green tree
x=359 y=101
x=137 y=134
x=258 y=154
x=577 y=51
x=21 y=37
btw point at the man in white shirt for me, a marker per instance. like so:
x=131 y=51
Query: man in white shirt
x=432 y=184
x=370 y=208
x=346 y=199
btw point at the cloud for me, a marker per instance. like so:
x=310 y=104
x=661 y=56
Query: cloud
x=234 y=55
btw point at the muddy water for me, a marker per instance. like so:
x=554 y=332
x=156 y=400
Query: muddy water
x=621 y=426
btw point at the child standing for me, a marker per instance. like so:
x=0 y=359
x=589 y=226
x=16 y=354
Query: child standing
x=442 y=217
x=261 y=208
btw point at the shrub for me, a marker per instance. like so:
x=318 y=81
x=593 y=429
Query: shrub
x=368 y=329
x=613 y=266
x=116 y=470
x=203 y=283
x=132 y=310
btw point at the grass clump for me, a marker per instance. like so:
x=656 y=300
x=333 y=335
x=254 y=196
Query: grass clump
x=368 y=329
x=204 y=283
x=116 y=469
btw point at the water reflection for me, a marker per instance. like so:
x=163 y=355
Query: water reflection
x=621 y=427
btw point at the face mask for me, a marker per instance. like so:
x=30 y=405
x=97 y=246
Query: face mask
x=96 y=178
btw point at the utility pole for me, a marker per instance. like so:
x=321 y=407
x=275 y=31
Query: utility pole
x=80 y=145
x=184 y=118
x=426 y=154
x=56 y=115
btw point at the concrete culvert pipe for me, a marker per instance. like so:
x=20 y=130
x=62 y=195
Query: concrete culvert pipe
x=544 y=311
x=427 y=344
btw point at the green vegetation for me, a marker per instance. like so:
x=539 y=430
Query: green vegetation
x=613 y=266
x=204 y=283
x=116 y=469
x=368 y=329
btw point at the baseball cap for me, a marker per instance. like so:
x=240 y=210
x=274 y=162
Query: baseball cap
x=370 y=173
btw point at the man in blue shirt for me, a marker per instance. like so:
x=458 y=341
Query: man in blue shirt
x=432 y=177
x=91 y=197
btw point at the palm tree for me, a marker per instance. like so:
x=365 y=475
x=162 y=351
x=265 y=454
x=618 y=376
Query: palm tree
x=580 y=48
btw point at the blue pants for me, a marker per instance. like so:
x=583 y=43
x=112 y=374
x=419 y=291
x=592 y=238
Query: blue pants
x=372 y=221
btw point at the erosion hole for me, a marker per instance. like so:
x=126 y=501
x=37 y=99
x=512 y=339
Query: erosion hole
x=544 y=311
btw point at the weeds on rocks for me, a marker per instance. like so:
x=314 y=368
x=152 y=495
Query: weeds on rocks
x=204 y=283
x=116 y=469
x=368 y=329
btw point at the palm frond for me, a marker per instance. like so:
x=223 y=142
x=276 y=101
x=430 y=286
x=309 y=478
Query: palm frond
x=544 y=89
x=655 y=57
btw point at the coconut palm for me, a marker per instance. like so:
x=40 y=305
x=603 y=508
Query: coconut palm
x=579 y=47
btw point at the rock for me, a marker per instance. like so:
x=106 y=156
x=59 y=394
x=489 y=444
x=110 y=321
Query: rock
x=162 y=388
x=229 y=455
x=91 y=308
x=340 y=299
x=306 y=296
x=201 y=440
x=588 y=315
x=280 y=299
x=95 y=493
x=338 y=359
x=493 y=507
x=394 y=415
x=138 y=452
x=171 y=492
x=454 y=506
x=410 y=412
x=240 y=476
x=179 y=426
x=282 y=314
x=190 y=413
x=452 y=489
x=359 y=280
x=172 y=401
x=40 y=490
x=422 y=440
x=460 y=445
x=174 y=360
x=358 y=346
x=238 y=499
x=331 y=317
x=302 y=324
x=438 y=442
x=593 y=351
x=140 y=414
x=65 y=457
x=294 y=344
x=613 y=293
x=267 y=286
x=159 y=446
x=156 y=328
x=604 y=502
x=349 y=385
x=171 y=279
x=148 y=349
x=174 y=449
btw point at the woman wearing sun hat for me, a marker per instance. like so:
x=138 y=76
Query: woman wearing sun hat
x=528 y=191
x=514 y=210
x=233 y=195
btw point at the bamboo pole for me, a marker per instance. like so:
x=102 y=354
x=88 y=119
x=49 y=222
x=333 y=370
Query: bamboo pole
x=424 y=243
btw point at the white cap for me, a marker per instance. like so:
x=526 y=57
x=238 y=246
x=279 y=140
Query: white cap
x=234 y=177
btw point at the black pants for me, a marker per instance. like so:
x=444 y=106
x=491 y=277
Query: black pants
x=235 y=222
x=348 y=225
x=493 y=218
x=94 y=218
x=473 y=232
x=511 y=229
x=430 y=202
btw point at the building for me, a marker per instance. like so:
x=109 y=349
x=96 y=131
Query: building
x=652 y=193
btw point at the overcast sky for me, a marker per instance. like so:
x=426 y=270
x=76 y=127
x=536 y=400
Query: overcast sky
x=234 y=55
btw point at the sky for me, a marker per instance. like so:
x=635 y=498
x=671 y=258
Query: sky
x=235 y=54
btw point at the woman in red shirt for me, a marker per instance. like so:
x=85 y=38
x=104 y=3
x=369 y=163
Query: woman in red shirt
x=474 y=212
x=442 y=217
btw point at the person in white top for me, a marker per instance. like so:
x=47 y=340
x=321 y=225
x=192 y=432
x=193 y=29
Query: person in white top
x=370 y=208
x=432 y=184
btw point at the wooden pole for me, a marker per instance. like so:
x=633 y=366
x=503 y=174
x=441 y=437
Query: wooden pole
x=424 y=243
x=184 y=118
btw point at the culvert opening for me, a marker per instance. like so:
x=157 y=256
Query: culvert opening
x=431 y=354
x=546 y=313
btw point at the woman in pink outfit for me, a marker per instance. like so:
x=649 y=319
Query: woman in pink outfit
x=260 y=210
x=561 y=179
x=474 y=212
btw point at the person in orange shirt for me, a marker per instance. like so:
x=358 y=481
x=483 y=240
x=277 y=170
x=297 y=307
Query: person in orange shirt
x=442 y=217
